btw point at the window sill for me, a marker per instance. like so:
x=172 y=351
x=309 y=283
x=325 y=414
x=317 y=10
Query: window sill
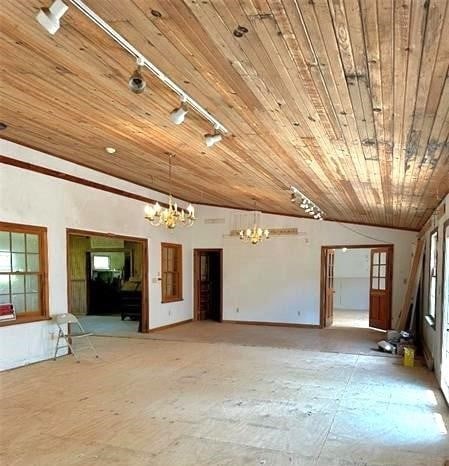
x=174 y=300
x=24 y=320
x=430 y=321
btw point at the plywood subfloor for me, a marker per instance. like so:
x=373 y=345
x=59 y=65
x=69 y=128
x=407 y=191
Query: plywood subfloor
x=148 y=402
x=340 y=340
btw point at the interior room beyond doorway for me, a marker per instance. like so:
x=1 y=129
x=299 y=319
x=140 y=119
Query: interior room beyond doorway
x=106 y=283
x=351 y=286
x=356 y=286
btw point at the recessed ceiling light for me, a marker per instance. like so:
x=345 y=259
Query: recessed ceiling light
x=3 y=126
x=110 y=150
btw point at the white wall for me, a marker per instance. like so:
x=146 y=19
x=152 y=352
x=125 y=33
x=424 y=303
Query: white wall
x=351 y=279
x=432 y=336
x=278 y=281
x=31 y=198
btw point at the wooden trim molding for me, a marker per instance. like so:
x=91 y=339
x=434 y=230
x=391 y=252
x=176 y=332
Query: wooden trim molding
x=76 y=179
x=165 y=327
x=270 y=324
x=93 y=184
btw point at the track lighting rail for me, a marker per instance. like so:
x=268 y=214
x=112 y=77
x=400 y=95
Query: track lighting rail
x=81 y=6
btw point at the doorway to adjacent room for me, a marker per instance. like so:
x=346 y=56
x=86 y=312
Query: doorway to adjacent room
x=208 y=288
x=356 y=286
x=107 y=282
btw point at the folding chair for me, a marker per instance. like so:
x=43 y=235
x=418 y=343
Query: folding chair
x=67 y=319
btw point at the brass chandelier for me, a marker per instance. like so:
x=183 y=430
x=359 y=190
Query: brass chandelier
x=169 y=216
x=256 y=234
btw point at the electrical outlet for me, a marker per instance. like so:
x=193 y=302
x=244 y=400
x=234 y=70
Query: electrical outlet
x=299 y=313
x=169 y=312
x=237 y=309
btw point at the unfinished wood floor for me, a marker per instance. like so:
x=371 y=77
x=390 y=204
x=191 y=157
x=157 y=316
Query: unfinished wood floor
x=157 y=402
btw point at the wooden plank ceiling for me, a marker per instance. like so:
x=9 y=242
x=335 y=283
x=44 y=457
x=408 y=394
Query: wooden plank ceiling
x=347 y=100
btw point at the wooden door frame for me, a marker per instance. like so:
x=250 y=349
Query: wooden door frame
x=196 y=271
x=445 y=245
x=323 y=272
x=145 y=310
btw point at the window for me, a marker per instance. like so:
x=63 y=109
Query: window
x=102 y=262
x=23 y=271
x=433 y=264
x=171 y=272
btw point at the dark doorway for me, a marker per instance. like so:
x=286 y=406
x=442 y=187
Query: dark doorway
x=208 y=273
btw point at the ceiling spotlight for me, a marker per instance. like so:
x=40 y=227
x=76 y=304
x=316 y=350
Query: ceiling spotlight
x=137 y=83
x=49 y=18
x=178 y=115
x=211 y=139
x=344 y=249
x=110 y=150
x=293 y=197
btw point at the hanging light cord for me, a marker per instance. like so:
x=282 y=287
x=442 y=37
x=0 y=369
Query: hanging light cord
x=363 y=234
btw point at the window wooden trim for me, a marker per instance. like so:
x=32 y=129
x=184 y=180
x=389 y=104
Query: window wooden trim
x=179 y=287
x=430 y=319
x=41 y=232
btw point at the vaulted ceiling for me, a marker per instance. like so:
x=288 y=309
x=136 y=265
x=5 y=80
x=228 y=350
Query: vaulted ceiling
x=347 y=100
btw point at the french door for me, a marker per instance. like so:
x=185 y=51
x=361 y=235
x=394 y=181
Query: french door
x=380 y=288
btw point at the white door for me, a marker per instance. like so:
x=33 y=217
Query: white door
x=445 y=346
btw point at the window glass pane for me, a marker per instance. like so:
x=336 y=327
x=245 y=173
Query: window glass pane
x=17 y=284
x=32 y=243
x=374 y=283
x=171 y=257
x=4 y=284
x=32 y=302
x=382 y=284
x=383 y=257
x=18 y=300
x=375 y=258
x=169 y=284
x=31 y=283
x=5 y=299
x=18 y=262
x=383 y=271
x=32 y=262
x=4 y=241
x=375 y=270
x=18 y=242
x=164 y=259
x=5 y=262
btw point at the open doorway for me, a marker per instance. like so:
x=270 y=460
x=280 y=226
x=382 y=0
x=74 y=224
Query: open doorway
x=107 y=282
x=208 y=289
x=356 y=286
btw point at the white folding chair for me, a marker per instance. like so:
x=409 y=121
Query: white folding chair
x=68 y=319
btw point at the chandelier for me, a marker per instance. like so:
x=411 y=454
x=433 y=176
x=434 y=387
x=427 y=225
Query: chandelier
x=169 y=216
x=256 y=234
